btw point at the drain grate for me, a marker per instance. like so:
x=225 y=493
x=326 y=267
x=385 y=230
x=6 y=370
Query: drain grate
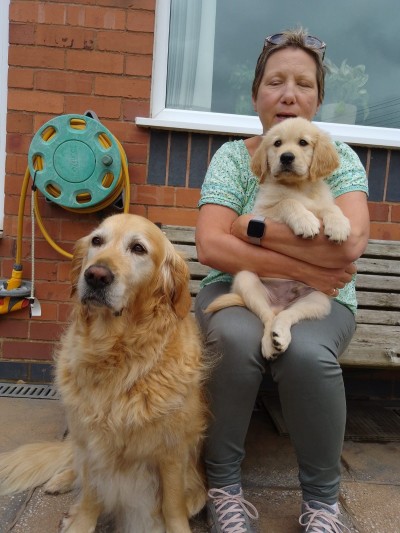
x=24 y=390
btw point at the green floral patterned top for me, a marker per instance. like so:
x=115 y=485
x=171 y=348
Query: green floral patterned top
x=229 y=182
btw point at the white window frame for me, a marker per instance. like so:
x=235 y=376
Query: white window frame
x=4 y=33
x=222 y=123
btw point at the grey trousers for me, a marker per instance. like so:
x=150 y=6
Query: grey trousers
x=310 y=385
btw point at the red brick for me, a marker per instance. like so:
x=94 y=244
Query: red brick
x=68 y=82
x=180 y=217
x=16 y=164
x=104 y=107
x=91 y=61
x=18 y=143
x=387 y=231
x=136 y=153
x=135 y=108
x=49 y=311
x=153 y=195
x=27 y=350
x=138 y=65
x=19 y=122
x=395 y=213
x=45 y=270
x=18 y=329
x=25 y=56
x=141 y=21
x=22 y=34
x=125 y=87
x=45 y=331
x=187 y=197
x=65 y=37
x=64 y=311
x=55 y=292
x=36 y=101
x=112 y=19
x=127 y=132
x=133 y=43
x=20 y=78
x=23 y=11
x=378 y=212
x=51 y=13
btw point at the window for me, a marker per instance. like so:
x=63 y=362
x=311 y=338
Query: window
x=206 y=50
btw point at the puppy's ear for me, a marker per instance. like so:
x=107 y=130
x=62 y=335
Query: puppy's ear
x=325 y=158
x=80 y=250
x=175 y=282
x=259 y=162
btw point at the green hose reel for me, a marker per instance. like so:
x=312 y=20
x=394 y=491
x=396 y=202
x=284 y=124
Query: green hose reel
x=75 y=161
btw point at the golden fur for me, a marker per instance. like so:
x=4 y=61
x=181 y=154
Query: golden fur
x=130 y=375
x=291 y=162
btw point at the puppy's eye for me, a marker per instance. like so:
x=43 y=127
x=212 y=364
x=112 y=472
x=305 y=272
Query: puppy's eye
x=303 y=142
x=137 y=248
x=278 y=143
x=97 y=241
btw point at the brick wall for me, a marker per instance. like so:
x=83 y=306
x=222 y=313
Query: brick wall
x=71 y=56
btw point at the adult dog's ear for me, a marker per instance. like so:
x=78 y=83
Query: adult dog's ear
x=259 y=162
x=325 y=158
x=79 y=253
x=175 y=280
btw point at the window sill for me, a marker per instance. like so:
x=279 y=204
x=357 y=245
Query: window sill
x=242 y=125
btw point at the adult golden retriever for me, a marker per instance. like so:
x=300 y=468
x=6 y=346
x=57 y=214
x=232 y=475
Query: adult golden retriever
x=130 y=376
x=291 y=162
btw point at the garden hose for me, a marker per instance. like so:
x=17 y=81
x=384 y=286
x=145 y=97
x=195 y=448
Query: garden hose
x=80 y=138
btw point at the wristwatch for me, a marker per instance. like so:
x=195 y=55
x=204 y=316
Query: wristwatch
x=256 y=229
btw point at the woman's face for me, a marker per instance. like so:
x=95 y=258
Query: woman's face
x=288 y=88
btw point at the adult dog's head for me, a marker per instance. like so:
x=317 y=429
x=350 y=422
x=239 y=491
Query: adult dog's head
x=128 y=263
x=294 y=151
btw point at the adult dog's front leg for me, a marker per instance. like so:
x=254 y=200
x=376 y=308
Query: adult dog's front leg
x=83 y=515
x=255 y=295
x=173 y=495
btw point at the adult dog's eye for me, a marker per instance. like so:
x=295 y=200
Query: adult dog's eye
x=137 y=248
x=303 y=142
x=278 y=143
x=97 y=241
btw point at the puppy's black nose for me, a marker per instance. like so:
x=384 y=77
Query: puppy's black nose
x=98 y=276
x=287 y=158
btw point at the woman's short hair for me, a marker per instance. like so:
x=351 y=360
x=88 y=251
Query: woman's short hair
x=295 y=38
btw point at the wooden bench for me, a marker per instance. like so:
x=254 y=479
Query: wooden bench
x=376 y=342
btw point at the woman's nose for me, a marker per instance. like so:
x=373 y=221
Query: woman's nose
x=288 y=94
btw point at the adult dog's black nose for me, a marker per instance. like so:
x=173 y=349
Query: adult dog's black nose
x=287 y=158
x=98 y=276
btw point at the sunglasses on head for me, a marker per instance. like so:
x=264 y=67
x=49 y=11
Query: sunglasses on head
x=309 y=40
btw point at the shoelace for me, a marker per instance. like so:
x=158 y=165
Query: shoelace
x=236 y=522
x=317 y=521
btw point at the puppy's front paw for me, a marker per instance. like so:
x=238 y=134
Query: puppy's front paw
x=281 y=337
x=307 y=226
x=267 y=348
x=337 y=228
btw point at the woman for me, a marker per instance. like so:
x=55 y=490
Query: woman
x=289 y=82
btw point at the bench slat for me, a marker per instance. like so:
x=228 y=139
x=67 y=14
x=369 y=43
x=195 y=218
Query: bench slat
x=373 y=346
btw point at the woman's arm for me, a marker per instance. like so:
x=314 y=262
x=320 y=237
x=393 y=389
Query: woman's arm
x=318 y=251
x=218 y=248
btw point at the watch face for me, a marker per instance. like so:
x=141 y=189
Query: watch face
x=256 y=228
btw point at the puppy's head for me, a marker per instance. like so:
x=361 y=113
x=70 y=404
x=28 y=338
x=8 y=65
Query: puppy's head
x=294 y=151
x=125 y=261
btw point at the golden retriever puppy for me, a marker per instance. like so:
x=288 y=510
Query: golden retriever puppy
x=130 y=375
x=291 y=162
